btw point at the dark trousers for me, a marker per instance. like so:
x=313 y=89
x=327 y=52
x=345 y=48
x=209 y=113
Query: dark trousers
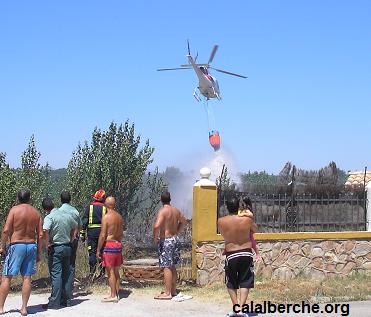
x=92 y=250
x=72 y=268
x=59 y=264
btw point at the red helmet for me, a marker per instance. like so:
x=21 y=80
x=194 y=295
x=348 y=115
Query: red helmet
x=99 y=195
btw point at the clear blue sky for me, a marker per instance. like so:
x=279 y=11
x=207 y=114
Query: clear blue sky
x=68 y=66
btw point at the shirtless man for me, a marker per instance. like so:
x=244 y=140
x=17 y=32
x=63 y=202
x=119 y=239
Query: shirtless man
x=239 y=258
x=169 y=223
x=23 y=229
x=110 y=240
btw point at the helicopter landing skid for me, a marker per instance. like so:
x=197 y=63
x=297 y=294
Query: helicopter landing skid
x=216 y=94
x=196 y=95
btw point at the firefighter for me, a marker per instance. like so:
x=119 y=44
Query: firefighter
x=91 y=226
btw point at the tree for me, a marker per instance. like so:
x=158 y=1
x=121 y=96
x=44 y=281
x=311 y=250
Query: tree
x=148 y=198
x=326 y=176
x=251 y=179
x=32 y=175
x=7 y=187
x=114 y=160
x=172 y=175
x=223 y=182
x=58 y=183
x=285 y=176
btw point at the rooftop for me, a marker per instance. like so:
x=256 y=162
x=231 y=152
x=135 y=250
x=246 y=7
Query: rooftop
x=357 y=178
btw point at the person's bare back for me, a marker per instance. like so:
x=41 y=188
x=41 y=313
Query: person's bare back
x=112 y=222
x=236 y=232
x=115 y=225
x=169 y=219
x=23 y=223
x=169 y=223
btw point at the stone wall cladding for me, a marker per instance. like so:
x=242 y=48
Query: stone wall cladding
x=286 y=259
x=210 y=262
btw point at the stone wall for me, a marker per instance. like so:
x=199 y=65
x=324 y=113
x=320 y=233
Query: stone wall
x=287 y=259
x=210 y=262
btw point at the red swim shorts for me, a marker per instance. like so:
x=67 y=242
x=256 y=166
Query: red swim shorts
x=112 y=254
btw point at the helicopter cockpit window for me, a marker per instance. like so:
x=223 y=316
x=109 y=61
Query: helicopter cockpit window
x=204 y=70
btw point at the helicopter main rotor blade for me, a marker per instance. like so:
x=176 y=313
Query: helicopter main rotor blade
x=215 y=48
x=176 y=68
x=198 y=65
x=189 y=50
x=229 y=73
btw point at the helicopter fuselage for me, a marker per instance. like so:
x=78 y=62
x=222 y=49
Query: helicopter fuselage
x=207 y=84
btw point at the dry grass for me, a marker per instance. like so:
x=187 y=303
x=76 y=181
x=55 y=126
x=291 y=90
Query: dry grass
x=350 y=288
x=355 y=287
x=41 y=280
x=82 y=262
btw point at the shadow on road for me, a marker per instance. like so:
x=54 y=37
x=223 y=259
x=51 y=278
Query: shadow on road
x=34 y=309
x=124 y=293
x=82 y=294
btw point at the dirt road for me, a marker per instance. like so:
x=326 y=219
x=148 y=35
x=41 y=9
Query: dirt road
x=139 y=305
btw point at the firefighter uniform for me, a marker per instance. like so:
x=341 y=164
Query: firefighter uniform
x=91 y=227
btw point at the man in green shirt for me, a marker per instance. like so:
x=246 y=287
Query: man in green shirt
x=59 y=229
x=68 y=209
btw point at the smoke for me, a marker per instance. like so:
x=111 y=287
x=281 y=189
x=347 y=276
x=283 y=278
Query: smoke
x=219 y=159
x=180 y=182
x=181 y=189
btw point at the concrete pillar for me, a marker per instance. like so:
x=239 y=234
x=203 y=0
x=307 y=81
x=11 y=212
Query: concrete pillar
x=204 y=214
x=368 y=203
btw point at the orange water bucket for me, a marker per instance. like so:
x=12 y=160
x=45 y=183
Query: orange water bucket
x=214 y=139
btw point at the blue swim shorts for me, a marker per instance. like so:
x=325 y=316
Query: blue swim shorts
x=21 y=257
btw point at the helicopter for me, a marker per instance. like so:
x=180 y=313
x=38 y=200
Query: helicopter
x=207 y=84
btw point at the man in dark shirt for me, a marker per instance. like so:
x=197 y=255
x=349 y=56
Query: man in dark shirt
x=91 y=226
